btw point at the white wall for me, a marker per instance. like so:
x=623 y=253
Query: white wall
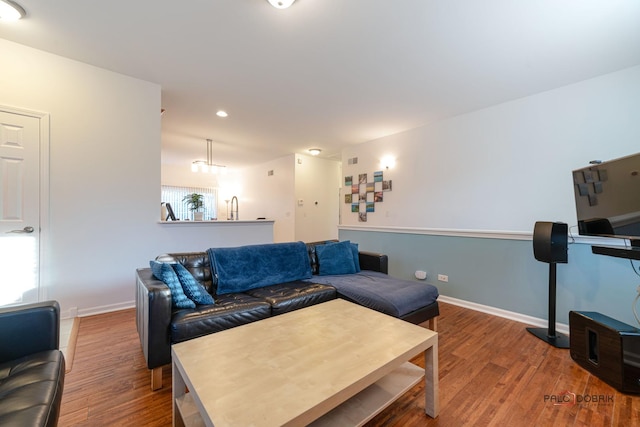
x=104 y=172
x=295 y=177
x=317 y=186
x=104 y=178
x=500 y=168
x=270 y=196
x=468 y=190
x=504 y=167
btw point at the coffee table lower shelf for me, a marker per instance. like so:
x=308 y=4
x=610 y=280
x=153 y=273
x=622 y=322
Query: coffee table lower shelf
x=354 y=412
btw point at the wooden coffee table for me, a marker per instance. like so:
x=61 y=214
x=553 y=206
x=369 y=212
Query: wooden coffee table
x=335 y=363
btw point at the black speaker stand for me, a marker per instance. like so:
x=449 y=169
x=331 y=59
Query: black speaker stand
x=549 y=335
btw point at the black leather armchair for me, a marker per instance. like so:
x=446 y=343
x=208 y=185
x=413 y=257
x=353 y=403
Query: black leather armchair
x=32 y=367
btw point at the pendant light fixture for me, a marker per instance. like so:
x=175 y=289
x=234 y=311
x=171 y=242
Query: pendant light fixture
x=207 y=165
x=10 y=11
x=281 y=4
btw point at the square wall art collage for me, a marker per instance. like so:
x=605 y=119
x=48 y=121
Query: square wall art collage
x=363 y=194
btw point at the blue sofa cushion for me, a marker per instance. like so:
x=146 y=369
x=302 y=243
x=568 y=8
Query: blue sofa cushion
x=191 y=287
x=163 y=271
x=255 y=266
x=378 y=291
x=335 y=258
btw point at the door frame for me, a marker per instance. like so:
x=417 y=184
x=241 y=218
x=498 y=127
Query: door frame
x=43 y=235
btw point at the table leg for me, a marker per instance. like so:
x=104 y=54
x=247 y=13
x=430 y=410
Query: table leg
x=178 y=390
x=432 y=402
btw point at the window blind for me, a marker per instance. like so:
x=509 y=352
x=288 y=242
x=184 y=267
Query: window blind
x=174 y=195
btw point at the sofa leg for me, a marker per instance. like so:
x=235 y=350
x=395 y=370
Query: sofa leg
x=156 y=378
x=433 y=324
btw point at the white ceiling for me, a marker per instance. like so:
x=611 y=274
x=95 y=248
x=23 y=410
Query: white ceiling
x=329 y=73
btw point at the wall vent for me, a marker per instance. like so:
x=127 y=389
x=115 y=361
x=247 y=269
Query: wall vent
x=353 y=161
x=270 y=173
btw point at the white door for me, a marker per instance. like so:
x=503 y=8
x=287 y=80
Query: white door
x=19 y=208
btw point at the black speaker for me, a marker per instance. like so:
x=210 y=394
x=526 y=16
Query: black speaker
x=607 y=348
x=550 y=242
x=550 y=245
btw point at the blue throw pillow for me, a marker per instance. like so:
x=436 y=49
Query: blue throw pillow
x=356 y=256
x=191 y=287
x=163 y=271
x=356 y=253
x=335 y=258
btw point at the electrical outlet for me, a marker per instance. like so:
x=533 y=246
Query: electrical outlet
x=443 y=278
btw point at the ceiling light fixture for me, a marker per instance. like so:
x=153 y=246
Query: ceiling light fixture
x=10 y=11
x=222 y=113
x=314 y=151
x=207 y=165
x=281 y=4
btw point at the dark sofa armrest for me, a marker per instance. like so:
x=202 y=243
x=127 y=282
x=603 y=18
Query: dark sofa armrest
x=29 y=328
x=153 y=317
x=374 y=261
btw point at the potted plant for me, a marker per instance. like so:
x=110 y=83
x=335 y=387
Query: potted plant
x=195 y=202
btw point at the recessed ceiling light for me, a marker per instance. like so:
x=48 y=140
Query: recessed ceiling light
x=314 y=151
x=281 y=4
x=10 y=11
x=222 y=113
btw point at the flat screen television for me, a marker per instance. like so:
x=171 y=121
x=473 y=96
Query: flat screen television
x=607 y=197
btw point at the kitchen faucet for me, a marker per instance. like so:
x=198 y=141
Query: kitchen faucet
x=236 y=216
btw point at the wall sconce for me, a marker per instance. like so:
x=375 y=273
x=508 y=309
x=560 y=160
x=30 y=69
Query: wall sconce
x=388 y=162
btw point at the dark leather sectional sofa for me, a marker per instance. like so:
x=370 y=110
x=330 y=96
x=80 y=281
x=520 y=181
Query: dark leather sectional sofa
x=32 y=368
x=160 y=325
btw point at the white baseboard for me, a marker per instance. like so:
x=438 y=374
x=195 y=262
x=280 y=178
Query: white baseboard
x=511 y=315
x=73 y=312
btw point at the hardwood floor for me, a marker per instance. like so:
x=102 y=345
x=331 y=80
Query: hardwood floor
x=492 y=373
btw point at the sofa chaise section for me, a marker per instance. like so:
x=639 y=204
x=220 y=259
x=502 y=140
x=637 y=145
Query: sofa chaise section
x=372 y=287
x=411 y=301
